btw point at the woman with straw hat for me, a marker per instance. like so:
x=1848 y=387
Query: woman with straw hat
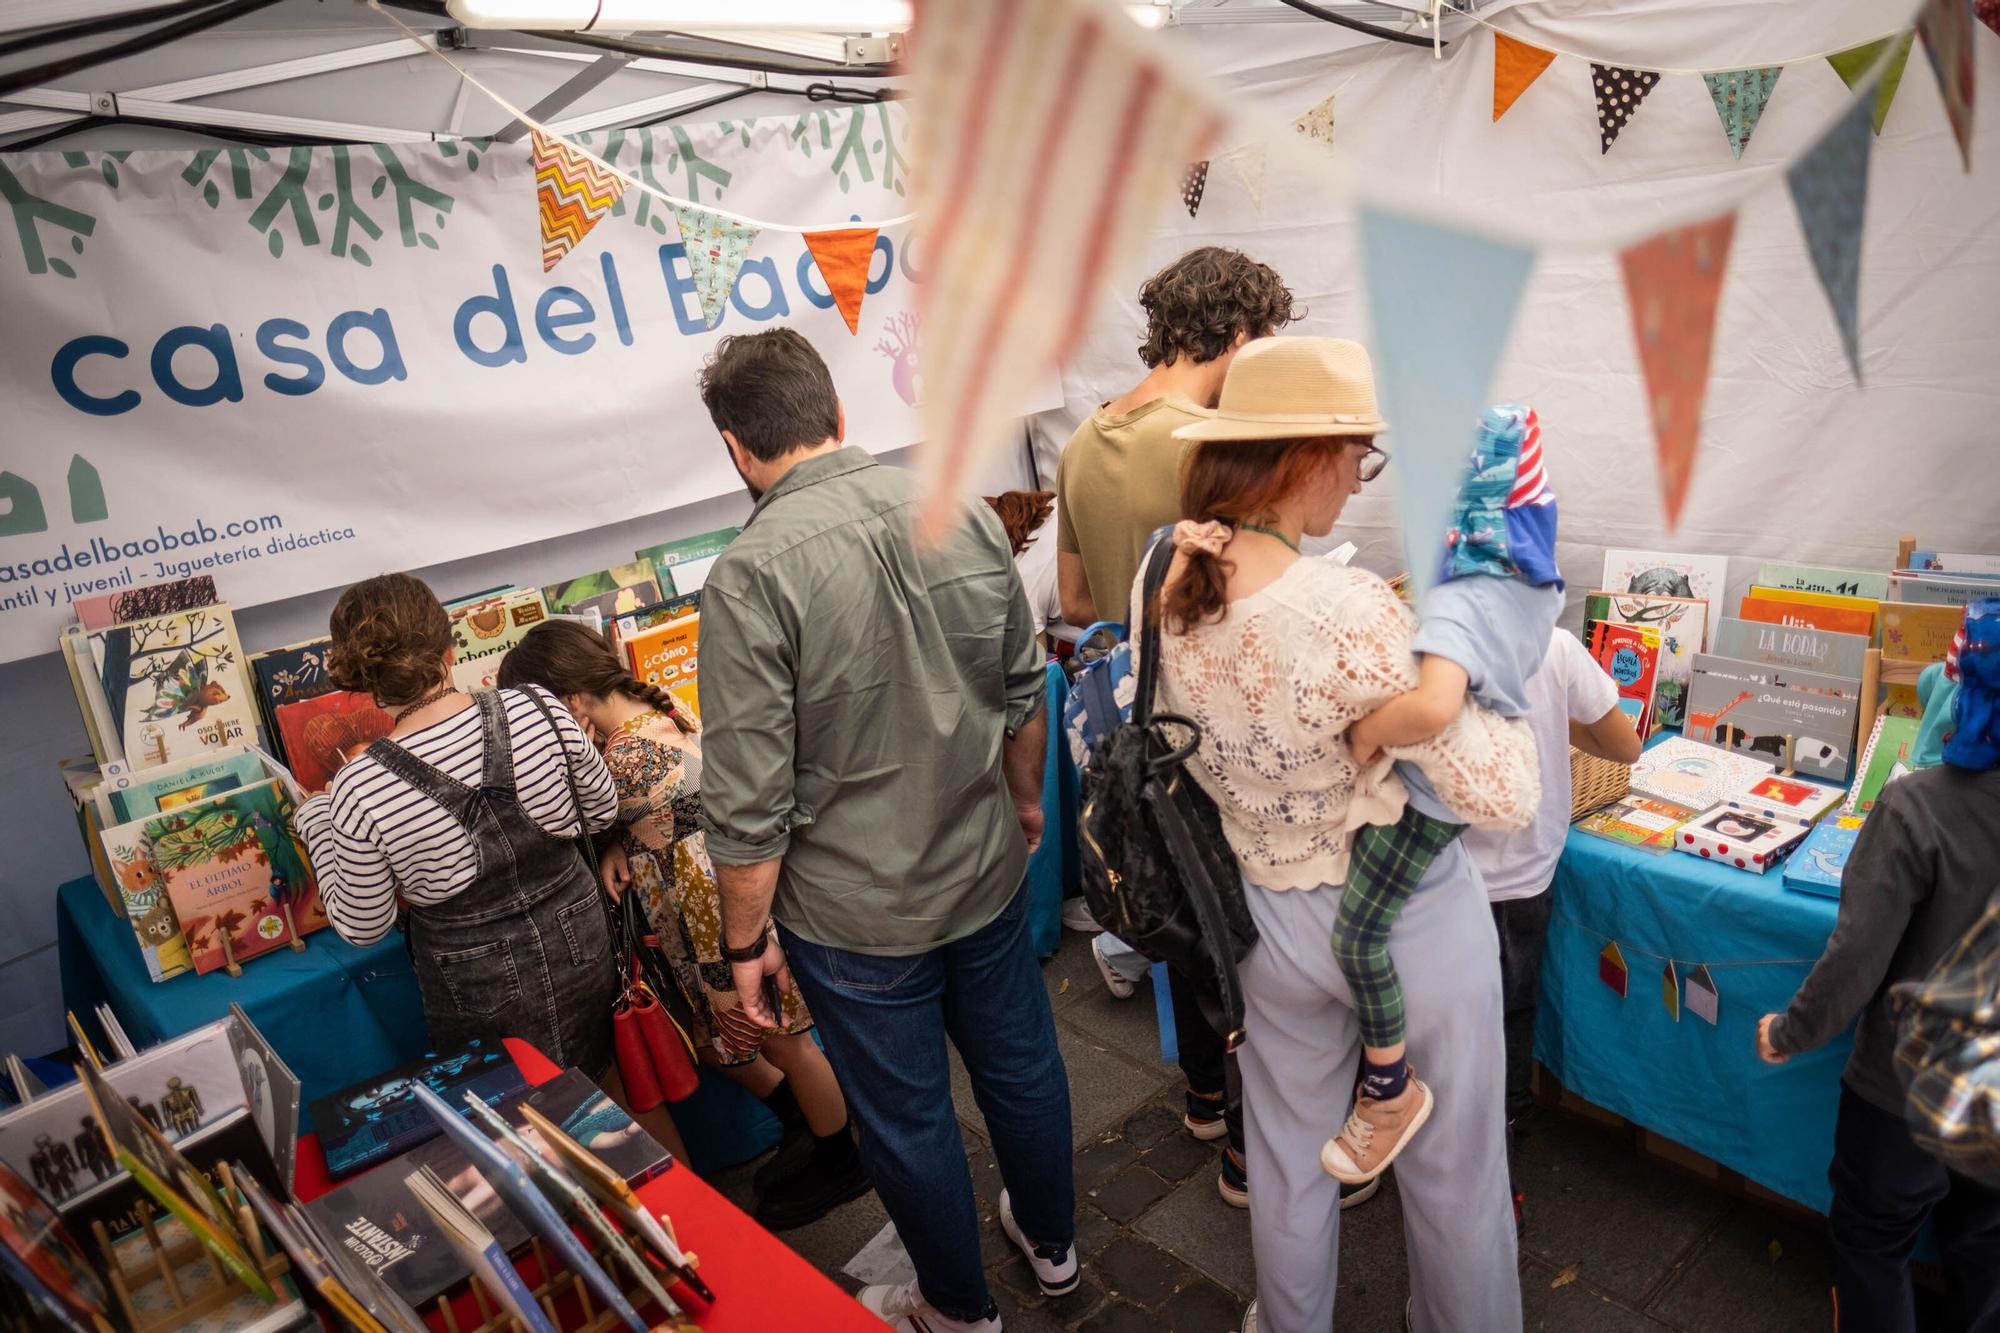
x=1275 y=655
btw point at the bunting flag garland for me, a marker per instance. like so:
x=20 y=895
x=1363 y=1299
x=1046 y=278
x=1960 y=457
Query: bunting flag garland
x=1946 y=26
x=1249 y=163
x=1317 y=124
x=1193 y=182
x=1611 y=968
x=1619 y=92
x=571 y=194
x=1829 y=187
x=1670 y=991
x=1053 y=130
x=1440 y=303
x=716 y=247
x=1515 y=65
x=1673 y=284
x=844 y=257
x=1700 y=996
x=1856 y=61
x=1739 y=98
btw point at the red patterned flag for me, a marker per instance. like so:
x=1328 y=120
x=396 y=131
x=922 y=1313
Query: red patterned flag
x=1946 y=26
x=1673 y=283
x=572 y=193
x=1053 y=132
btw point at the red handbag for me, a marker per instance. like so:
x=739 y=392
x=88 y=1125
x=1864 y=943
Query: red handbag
x=652 y=1045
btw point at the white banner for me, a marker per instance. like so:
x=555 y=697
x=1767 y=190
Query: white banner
x=297 y=367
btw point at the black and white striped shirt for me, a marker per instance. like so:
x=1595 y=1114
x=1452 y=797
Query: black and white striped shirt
x=371 y=835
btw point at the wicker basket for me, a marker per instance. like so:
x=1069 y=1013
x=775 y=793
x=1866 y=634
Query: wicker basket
x=1594 y=783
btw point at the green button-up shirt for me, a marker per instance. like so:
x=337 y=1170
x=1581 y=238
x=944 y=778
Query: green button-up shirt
x=855 y=693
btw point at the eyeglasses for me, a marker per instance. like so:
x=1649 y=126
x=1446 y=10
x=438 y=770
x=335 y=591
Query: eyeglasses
x=1373 y=460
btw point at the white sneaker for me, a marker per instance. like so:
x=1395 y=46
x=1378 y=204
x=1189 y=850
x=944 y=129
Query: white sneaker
x=1076 y=915
x=1120 y=988
x=1056 y=1269
x=904 y=1309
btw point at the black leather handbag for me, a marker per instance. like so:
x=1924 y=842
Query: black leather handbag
x=1157 y=870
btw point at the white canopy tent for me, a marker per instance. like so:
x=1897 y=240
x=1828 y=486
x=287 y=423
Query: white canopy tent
x=1797 y=462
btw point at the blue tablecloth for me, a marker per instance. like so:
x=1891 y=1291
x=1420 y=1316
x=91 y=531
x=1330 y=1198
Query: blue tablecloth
x=1698 y=1085
x=335 y=1013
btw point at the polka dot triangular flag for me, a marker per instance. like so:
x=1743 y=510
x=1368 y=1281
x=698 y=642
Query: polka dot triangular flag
x=1193 y=182
x=1946 y=26
x=1317 y=124
x=1739 y=97
x=572 y=193
x=1619 y=92
x=1856 y=61
x=844 y=256
x=1515 y=65
x=1673 y=283
x=1829 y=186
x=715 y=247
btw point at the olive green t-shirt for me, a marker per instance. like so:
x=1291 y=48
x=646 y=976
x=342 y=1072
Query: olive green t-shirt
x=1118 y=482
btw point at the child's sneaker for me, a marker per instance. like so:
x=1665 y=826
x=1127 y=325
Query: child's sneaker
x=1375 y=1133
x=1117 y=983
x=904 y=1309
x=1234 y=1182
x=1204 y=1117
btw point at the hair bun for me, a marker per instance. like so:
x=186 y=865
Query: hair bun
x=390 y=635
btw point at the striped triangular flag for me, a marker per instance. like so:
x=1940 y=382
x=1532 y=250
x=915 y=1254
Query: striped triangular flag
x=571 y=193
x=1054 y=131
x=716 y=246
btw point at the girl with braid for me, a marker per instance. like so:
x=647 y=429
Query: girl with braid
x=654 y=753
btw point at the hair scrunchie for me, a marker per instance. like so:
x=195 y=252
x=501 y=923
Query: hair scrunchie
x=1207 y=538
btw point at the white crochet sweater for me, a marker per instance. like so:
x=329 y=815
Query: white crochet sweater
x=1274 y=685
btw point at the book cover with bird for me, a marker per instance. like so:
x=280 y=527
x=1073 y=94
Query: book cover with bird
x=176 y=685
x=238 y=879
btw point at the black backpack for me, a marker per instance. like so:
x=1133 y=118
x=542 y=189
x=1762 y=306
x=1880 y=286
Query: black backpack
x=1157 y=870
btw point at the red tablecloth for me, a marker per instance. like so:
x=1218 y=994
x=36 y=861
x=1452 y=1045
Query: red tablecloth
x=760 y=1285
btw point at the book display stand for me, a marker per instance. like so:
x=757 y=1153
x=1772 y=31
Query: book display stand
x=554 y=1285
x=167 y=1264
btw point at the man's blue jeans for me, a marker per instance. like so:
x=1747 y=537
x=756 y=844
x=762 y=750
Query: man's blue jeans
x=884 y=1021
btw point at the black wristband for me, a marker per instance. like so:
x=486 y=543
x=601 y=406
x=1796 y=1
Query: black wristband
x=747 y=953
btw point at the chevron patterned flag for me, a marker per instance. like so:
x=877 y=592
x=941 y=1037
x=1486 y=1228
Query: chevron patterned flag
x=572 y=193
x=1052 y=133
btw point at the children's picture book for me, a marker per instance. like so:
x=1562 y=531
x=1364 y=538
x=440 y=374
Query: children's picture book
x=150 y=791
x=321 y=734
x=1753 y=708
x=1772 y=608
x=120 y=1204
x=683 y=565
x=482 y=631
x=1796 y=646
x=42 y=1256
x=1918 y=632
x=659 y=613
x=1786 y=800
x=1821 y=578
x=666 y=654
x=1886 y=758
x=1666 y=574
x=1630 y=655
x=175 y=685
x=1687 y=773
x=172 y=1180
x=105 y=743
x=1644 y=822
x=143 y=894
x=270 y=1089
x=1955 y=562
x=379 y=1118
x=1942 y=589
x=1817 y=865
x=481 y=1255
x=610 y=592
x=288 y=675
x=236 y=874
x=1683 y=626
x=145 y=602
x=1732 y=838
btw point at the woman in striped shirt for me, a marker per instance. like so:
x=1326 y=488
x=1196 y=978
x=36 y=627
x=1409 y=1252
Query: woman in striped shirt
x=464 y=817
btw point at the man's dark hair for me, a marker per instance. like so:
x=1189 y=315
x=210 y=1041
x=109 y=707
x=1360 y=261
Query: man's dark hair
x=1197 y=305
x=771 y=391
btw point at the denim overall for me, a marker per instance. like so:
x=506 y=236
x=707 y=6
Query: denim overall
x=525 y=949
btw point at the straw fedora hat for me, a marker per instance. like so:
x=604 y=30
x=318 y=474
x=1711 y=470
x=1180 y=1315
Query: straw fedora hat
x=1284 y=388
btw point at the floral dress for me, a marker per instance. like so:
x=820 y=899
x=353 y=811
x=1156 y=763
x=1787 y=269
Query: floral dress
x=657 y=769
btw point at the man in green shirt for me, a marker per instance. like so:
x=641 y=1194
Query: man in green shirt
x=873 y=742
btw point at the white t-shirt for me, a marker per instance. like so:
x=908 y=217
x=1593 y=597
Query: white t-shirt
x=1570 y=686
x=1037 y=566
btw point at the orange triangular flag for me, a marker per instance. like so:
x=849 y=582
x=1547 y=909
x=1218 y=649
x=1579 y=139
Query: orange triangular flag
x=843 y=257
x=1674 y=284
x=1515 y=66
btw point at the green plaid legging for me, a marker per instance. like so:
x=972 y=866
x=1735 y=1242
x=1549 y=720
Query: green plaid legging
x=1389 y=861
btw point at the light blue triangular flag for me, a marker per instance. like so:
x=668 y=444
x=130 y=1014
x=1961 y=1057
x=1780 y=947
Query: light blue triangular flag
x=1440 y=302
x=1739 y=97
x=1829 y=186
